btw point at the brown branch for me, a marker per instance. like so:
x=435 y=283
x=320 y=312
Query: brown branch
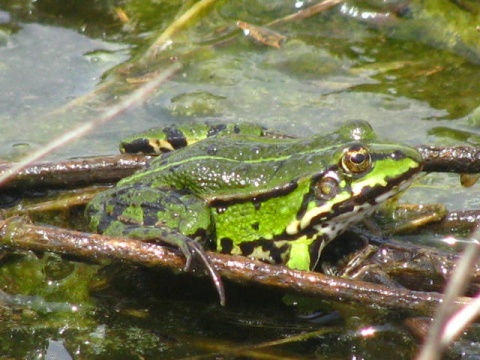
x=457 y=159
x=73 y=173
x=16 y=233
x=108 y=169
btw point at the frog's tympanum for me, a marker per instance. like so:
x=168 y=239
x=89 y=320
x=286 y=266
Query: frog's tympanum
x=237 y=191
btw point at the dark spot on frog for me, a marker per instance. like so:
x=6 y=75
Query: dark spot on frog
x=314 y=250
x=175 y=137
x=212 y=149
x=227 y=245
x=255 y=150
x=173 y=197
x=268 y=246
x=277 y=252
x=199 y=233
x=109 y=216
x=150 y=219
x=221 y=209
x=173 y=168
x=163 y=160
x=257 y=201
x=256 y=226
x=247 y=248
x=237 y=130
x=215 y=129
x=137 y=146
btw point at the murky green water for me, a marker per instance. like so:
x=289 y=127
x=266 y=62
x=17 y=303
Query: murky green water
x=410 y=68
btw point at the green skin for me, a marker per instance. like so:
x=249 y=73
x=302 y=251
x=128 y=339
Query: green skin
x=274 y=199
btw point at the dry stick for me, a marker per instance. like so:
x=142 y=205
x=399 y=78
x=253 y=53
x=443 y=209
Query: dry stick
x=74 y=173
x=270 y=38
x=129 y=101
x=17 y=233
x=440 y=159
x=107 y=169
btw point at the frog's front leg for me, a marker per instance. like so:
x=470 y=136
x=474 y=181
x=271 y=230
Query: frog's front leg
x=167 y=215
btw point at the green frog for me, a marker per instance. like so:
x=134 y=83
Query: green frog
x=237 y=190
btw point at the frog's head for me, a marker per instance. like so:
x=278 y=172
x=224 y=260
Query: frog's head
x=359 y=177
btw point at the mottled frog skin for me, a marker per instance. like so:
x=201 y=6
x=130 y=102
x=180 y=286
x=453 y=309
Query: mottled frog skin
x=237 y=191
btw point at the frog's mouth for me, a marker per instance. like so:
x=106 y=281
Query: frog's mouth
x=379 y=193
x=346 y=204
x=330 y=224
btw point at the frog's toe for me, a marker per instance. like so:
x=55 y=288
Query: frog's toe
x=187 y=251
x=195 y=248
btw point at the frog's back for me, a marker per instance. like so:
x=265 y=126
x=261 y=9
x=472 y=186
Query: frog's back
x=237 y=165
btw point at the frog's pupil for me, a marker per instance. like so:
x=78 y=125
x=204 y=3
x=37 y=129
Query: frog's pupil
x=358 y=158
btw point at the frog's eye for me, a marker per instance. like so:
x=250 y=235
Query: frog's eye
x=356 y=159
x=326 y=188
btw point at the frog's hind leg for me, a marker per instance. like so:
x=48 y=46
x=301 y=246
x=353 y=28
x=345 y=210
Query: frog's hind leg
x=165 y=215
x=173 y=137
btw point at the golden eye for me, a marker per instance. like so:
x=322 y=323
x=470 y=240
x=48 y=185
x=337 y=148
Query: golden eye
x=356 y=159
x=326 y=188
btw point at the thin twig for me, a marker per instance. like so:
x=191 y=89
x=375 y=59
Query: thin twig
x=180 y=23
x=128 y=102
x=460 y=320
x=434 y=345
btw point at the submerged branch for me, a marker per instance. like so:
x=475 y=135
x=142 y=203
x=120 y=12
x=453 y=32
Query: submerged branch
x=17 y=233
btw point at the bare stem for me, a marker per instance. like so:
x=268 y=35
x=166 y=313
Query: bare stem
x=180 y=23
x=434 y=345
x=129 y=101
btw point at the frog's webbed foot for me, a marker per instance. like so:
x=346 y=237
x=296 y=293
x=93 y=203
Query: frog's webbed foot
x=194 y=248
x=191 y=248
